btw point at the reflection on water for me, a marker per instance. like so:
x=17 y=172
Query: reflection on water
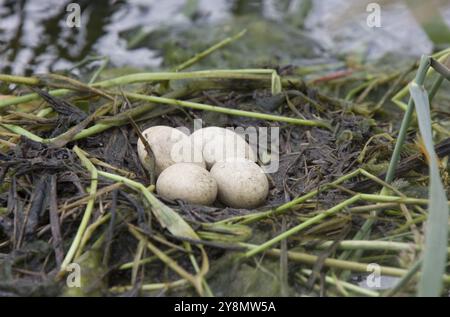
x=35 y=38
x=34 y=35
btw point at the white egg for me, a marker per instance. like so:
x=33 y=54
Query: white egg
x=161 y=139
x=241 y=183
x=225 y=146
x=186 y=151
x=187 y=182
x=201 y=136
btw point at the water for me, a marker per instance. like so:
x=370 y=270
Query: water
x=34 y=36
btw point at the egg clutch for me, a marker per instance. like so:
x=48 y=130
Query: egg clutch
x=212 y=163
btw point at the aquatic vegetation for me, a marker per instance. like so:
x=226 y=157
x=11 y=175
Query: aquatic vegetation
x=362 y=183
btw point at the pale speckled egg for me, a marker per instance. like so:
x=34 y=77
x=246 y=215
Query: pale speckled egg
x=241 y=183
x=161 y=139
x=187 y=182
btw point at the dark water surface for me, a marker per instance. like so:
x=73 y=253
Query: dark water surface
x=34 y=36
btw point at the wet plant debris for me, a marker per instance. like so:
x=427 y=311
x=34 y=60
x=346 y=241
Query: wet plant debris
x=350 y=187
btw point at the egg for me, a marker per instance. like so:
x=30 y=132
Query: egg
x=219 y=144
x=202 y=136
x=162 y=140
x=187 y=151
x=241 y=183
x=225 y=146
x=188 y=182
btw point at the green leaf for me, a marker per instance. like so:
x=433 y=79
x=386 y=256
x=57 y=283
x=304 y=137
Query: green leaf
x=436 y=239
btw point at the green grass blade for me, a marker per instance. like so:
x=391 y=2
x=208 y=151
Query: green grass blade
x=436 y=240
